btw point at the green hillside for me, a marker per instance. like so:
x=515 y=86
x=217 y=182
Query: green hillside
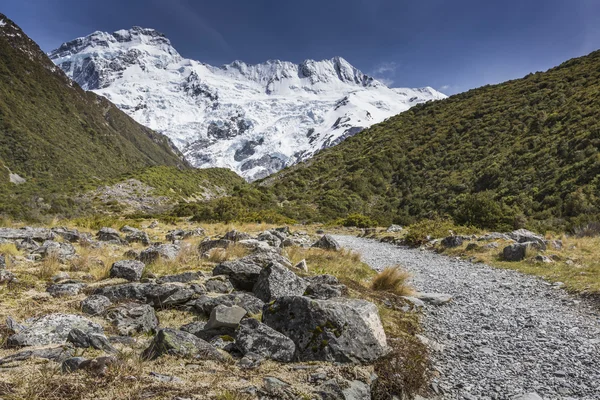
x=522 y=153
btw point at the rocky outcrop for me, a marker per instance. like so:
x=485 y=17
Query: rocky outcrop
x=95 y=304
x=167 y=252
x=276 y=281
x=255 y=337
x=342 y=330
x=51 y=329
x=130 y=270
x=327 y=242
x=243 y=273
x=132 y=318
x=157 y=295
x=205 y=304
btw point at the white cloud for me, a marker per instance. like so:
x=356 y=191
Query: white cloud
x=385 y=72
x=445 y=87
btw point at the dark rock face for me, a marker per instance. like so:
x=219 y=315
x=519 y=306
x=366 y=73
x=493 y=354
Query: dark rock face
x=109 y=235
x=182 y=344
x=452 y=241
x=208 y=245
x=138 y=236
x=324 y=287
x=95 y=304
x=270 y=238
x=276 y=281
x=131 y=270
x=55 y=353
x=71 y=235
x=86 y=340
x=204 y=305
x=255 y=337
x=342 y=330
x=236 y=236
x=327 y=243
x=515 y=252
x=132 y=318
x=166 y=295
x=52 y=329
x=163 y=251
x=65 y=289
x=218 y=284
x=185 y=277
x=242 y=273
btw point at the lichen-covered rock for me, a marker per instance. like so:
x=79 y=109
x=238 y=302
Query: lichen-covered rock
x=62 y=251
x=341 y=389
x=236 y=236
x=184 y=277
x=337 y=330
x=452 y=241
x=324 y=287
x=255 y=337
x=327 y=242
x=157 y=295
x=270 y=238
x=218 y=284
x=65 y=289
x=54 y=353
x=180 y=234
x=71 y=235
x=205 y=304
x=109 y=235
x=51 y=329
x=208 y=244
x=242 y=273
x=27 y=233
x=95 y=304
x=225 y=317
x=525 y=236
x=132 y=318
x=131 y=270
x=182 y=344
x=168 y=252
x=86 y=340
x=276 y=281
x=137 y=236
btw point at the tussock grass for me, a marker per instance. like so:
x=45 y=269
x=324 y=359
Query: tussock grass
x=393 y=280
x=9 y=249
x=48 y=267
x=231 y=253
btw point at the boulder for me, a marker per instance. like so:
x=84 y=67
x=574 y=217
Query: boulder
x=435 y=299
x=276 y=281
x=185 y=277
x=270 y=238
x=86 y=340
x=394 y=229
x=109 y=235
x=242 y=273
x=515 y=252
x=525 y=236
x=208 y=244
x=95 y=304
x=131 y=270
x=27 y=233
x=168 y=252
x=182 y=344
x=256 y=246
x=255 y=337
x=137 y=236
x=324 y=287
x=65 y=289
x=62 y=251
x=51 y=329
x=96 y=366
x=132 y=318
x=236 y=236
x=71 y=235
x=452 y=241
x=193 y=327
x=205 y=304
x=13 y=326
x=218 y=284
x=157 y=295
x=6 y=276
x=337 y=330
x=327 y=242
x=180 y=234
x=341 y=389
x=225 y=317
x=54 y=353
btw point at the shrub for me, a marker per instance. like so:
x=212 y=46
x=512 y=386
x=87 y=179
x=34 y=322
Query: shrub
x=356 y=220
x=421 y=232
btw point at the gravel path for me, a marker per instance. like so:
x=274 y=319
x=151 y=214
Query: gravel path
x=504 y=334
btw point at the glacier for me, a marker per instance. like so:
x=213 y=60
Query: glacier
x=253 y=119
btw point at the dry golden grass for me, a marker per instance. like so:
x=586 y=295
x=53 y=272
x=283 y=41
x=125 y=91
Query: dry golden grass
x=9 y=249
x=393 y=280
x=48 y=267
x=231 y=253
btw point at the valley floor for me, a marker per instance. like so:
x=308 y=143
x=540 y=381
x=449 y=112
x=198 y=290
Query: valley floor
x=504 y=334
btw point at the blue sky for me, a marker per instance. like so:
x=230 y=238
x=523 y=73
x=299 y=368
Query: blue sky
x=452 y=45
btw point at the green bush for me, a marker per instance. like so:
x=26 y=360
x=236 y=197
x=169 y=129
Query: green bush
x=435 y=228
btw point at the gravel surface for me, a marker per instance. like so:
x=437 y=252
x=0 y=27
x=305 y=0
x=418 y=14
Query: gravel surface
x=504 y=333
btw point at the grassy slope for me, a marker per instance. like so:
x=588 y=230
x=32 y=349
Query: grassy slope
x=56 y=135
x=516 y=153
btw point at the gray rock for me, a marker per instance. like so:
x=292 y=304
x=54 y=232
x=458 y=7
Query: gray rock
x=205 y=304
x=86 y=340
x=415 y=302
x=236 y=236
x=27 y=233
x=525 y=236
x=2 y=261
x=528 y=396
x=185 y=277
x=275 y=387
x=543 y=259
x=71 y=364
x=270 y=238
x=209 y=244
x=218 y=284
x=324 y=287
x=95 y=304
x=515 y=252
x=435 y=299
x=250 y=361
x=302 y=266
x=6 y=276
x=341 y=389
x=394 y=229
x=65 y=289
x=55 y=353
x=180 y=234
x=137 y=236
x=165 y=378
x=225 y=317
x=342 y=330
x=182 y=344
x=242 y=273
x=193 y=327
x=257 y=246
x=132 y=318
x=327 y=242
x=157 y=295
x=452 y=241
x=62 y=251
x=167 y=252
x=109 y=235
x=263 y=259
x=71 y=235
x=275 y=281
x=52 y=329
x=255 y=337
x=13 y=326
x=97 y=366
x=556 y=244
x=131 y=270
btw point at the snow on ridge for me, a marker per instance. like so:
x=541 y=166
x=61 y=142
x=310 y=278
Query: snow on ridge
x=254 y=119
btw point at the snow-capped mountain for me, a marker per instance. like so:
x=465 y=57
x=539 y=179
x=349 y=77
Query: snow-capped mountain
x=253 y=119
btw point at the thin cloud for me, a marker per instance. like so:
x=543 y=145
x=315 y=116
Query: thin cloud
x=385 y=72
x=445 y=87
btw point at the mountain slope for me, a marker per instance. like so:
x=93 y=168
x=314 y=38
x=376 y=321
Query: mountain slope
x=522 y=152
x=253 y=119
x=50 y=129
